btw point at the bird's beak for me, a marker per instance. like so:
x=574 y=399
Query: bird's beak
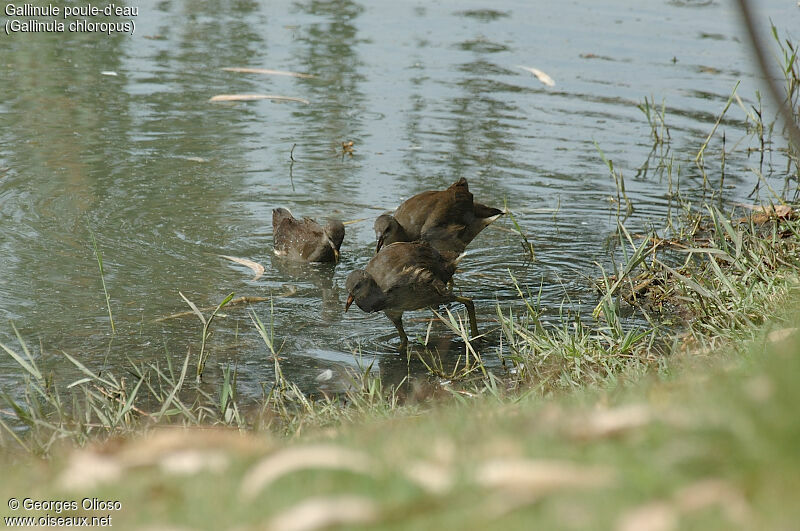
x=335 y=254
x=380 y=244
x=350 y=300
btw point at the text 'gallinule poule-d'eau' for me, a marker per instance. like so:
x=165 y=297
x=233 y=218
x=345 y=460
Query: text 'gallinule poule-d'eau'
x=405 y=276
x=447 y=219
x=306 y=240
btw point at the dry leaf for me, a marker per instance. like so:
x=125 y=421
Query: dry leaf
x=253 y=97
x=88 y=469
x=653 y=516
x=779 y=210
x=267 y=71
x=151 y=450
x=612 y=422
x=540 y=476
x=293 y=459
x=257 y=268
x=432 y=477
x=714 y=492
x=776 y=336
x=664 y=515
x=759 y=388
x=541 y=76
x=763 y=213
x=175 y=450
x=189 y=462
x=322 y=513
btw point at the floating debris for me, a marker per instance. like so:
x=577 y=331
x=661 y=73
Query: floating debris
x=254 y=97
x=595 y=56
x=347 y=148
x=324 y=376
x=541 y=76
x=257 y=268
x=267 y=71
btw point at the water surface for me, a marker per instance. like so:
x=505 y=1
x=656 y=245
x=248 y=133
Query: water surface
x=114 y=135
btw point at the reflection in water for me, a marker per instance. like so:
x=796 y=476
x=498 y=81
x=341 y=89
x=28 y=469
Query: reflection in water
x=116 y=134
x=320 y=276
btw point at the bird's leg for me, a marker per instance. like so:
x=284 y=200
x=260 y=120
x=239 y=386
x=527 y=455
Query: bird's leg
x=397 y=320
x=473 y=323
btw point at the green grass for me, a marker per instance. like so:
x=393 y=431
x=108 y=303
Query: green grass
x=99 y=257
x=711 y=446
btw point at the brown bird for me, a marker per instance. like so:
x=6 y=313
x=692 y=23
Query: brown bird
x=305 y=239
x=447 y=219
x=405 y=276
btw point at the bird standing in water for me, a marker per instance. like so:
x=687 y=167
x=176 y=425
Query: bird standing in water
x=447 y=219
x=402 y=277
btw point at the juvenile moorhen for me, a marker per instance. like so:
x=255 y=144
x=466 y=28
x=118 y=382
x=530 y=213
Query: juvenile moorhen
x=447 y=219
x=405 y=276
x=305 y=239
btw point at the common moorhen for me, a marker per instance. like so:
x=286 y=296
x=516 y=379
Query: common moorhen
x=405 y=276
x=447 y=219
x=305 y=239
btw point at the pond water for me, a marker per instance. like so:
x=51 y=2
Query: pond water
x=114 y=135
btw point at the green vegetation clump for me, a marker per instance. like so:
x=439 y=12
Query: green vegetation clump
x=711 y=445
x=708 y=288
